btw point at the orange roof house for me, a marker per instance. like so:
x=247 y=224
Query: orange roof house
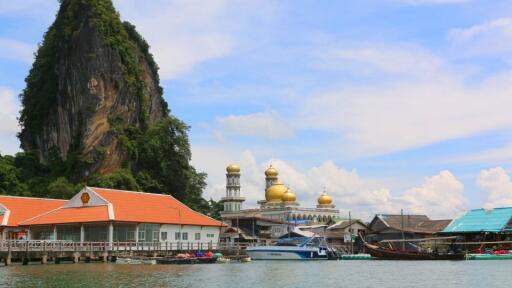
x=99 y=214
x=15 y=209
x=103 y=205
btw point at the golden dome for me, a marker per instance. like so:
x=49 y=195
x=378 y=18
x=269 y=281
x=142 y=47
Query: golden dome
x=275 y=192
x=271 y=172
x=289 y=196
x=233 y=168
x=324 y=199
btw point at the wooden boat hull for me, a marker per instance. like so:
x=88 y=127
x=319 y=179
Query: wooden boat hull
x=386 y=254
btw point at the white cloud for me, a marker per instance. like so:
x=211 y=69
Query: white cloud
x=430 y=104
x=182 y=33
x=440 y=196
x=432 y=2
x=16 y=50
x=8 y=122
x=490 y=38
x=495 y=155
x=27 y=6
x=261 y=124
x=395 y=59
x=496 y=186
x=9 y=111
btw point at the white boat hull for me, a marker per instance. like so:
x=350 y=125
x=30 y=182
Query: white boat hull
x=285 y=253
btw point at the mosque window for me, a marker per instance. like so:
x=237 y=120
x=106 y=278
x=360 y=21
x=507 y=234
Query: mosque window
x=163 y=236
x=198 y=236
x=185 y=235
x=177 y=236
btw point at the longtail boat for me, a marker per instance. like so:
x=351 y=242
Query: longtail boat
x=379 y=252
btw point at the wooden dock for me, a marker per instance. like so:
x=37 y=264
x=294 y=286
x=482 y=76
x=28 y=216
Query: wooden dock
x=44 y=251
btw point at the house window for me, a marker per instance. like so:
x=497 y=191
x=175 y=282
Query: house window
x=177 y=236
x=198 y=236
x=163 y=236
x=185 y=235
x=130 y=235
x=155 y=236
x=142 y=235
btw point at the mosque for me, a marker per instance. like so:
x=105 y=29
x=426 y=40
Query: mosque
x=279 y=206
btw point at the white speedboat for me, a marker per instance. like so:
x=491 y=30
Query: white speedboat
x=298 y=248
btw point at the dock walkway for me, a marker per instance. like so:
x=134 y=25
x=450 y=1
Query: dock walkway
x=44 y=251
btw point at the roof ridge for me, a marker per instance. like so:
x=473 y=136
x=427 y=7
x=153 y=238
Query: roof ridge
x=34 y=198
x=128 y=191
x=41 y=215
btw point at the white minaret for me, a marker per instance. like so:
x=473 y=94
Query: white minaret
x=233 y=200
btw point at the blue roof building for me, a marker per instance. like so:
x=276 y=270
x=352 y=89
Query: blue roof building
x=498 y=220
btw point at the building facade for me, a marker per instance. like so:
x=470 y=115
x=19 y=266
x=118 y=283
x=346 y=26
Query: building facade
x=483 y=225
x=393 y=227
x=280 y=204
x=108 y=215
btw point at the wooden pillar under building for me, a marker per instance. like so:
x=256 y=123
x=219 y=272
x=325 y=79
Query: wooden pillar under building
x=44 y=259
x=8 y=259
x=105 y=257
x=76 y=257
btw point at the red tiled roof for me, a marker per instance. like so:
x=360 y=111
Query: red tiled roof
x=128 y=206
x=23 y=208
x=152 y=208
x=70 y=215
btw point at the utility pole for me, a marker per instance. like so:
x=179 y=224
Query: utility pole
x=403 y=233
x=350 y=231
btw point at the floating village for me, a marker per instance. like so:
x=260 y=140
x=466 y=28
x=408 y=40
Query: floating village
x=130 y=227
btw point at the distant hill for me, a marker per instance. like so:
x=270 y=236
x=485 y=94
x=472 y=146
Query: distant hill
x=93 y=112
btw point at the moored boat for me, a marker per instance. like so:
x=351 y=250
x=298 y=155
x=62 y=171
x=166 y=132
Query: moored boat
x=388 y=254
x=489 y=256
x=297 y=248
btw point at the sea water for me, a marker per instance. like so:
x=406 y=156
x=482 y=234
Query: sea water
x=280 y=274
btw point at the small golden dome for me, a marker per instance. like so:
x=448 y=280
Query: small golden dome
x=324 y=199
x=289 y=196
x=271 y=172
x=233 y=168
x=275 y=192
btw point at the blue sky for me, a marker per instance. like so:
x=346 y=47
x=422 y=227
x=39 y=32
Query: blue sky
x=388 y=104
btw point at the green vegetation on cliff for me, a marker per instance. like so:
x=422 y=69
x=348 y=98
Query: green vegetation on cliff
x=153 y=155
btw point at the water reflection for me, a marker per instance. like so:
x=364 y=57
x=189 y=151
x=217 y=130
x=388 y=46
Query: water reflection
x=264 y=274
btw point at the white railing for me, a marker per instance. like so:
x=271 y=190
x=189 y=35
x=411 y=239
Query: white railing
x=69 y=246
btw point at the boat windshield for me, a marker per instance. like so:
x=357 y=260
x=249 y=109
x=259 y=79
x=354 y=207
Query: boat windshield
x=292 y=241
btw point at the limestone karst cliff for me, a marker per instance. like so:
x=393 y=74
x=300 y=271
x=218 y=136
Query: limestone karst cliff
x=92 y=77
x=93 y=113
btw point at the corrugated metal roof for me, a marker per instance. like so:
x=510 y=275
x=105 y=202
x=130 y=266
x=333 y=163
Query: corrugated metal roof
x=482 y=220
